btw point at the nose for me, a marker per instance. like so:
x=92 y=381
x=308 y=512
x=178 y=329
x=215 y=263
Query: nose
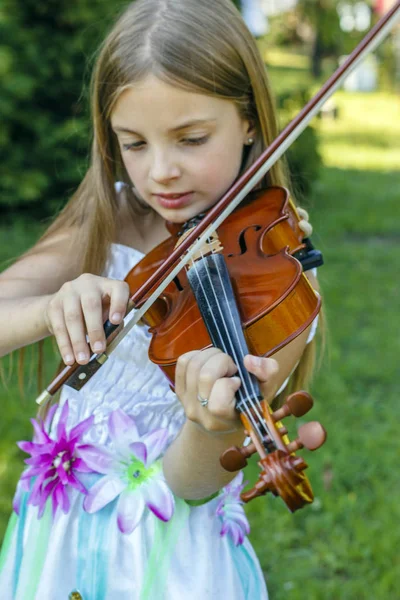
x=164 y=167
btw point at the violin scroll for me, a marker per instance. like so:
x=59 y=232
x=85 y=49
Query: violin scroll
x=281 y=470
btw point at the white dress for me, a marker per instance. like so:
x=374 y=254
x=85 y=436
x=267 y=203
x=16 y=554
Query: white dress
x=186 y=552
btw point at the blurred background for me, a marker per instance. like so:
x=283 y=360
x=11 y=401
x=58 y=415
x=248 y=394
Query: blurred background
x=345 y=170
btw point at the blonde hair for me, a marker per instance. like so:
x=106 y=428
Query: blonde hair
x=198 y=45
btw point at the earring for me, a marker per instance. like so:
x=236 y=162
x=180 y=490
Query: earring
x=250 y=141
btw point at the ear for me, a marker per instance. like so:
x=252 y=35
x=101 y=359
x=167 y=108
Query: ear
x=249 y=132
x=251 y=128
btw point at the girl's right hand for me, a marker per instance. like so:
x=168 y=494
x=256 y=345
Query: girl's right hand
x=79 y=309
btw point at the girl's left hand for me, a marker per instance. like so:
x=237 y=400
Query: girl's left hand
x=304 y=222
x=210 y=375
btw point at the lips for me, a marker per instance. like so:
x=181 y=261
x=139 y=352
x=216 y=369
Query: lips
x=174 y=200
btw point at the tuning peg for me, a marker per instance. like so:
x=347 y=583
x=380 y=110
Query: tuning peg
x=311 y=436
x=297 y=404
x=235 y=458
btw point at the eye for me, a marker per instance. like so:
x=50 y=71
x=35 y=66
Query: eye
x=133 y=146
x=195 y=141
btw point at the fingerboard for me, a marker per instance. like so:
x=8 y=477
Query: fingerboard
x=212 y=288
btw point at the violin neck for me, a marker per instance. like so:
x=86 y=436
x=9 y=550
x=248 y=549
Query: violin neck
x=211 y=285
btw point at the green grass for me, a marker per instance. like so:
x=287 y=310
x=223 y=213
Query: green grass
x=345 y=545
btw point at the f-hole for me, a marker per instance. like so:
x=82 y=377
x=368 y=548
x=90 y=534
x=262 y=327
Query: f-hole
x=242 y=240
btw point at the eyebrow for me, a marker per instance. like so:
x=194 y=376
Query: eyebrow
x=185 y=125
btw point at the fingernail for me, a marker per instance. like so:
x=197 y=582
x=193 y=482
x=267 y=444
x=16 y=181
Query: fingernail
x=68 y=358
x=116 y=317
x=81 y=356
x=98 y=346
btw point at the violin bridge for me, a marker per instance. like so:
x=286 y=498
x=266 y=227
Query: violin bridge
x=211 y=246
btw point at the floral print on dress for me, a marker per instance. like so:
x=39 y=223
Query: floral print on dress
x=230 y=511
x=131 y=473
x=53 y=464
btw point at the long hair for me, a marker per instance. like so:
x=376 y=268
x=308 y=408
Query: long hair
x=201 y=46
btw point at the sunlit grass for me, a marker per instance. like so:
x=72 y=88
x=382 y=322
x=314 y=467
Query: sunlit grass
x=366 y=135
x=278 y=57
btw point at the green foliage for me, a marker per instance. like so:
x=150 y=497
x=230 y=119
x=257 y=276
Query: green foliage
x=315 y=24
x=389 y=64
x=322 y=15
x=305 y=161
x=44 y=138
x=304 y=157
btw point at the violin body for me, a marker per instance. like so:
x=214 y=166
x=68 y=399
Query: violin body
x=275 y=300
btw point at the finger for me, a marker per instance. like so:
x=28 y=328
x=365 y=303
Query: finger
x=303 y=214
x=119 y=294
x=76 y=329
x=93 y=317
x=222 y=399
x=265 y=369
x=59 y=329
x=306 y=227
x=213 y=367
x=193 y=369
x=180 y=373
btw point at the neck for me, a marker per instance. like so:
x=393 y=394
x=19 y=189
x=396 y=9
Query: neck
x=143 y=232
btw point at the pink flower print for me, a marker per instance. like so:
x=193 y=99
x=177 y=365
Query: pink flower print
x=53 y=463
x=231 y=512
x=131 y=472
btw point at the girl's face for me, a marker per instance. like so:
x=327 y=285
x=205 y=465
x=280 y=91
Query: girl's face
x=182 y=150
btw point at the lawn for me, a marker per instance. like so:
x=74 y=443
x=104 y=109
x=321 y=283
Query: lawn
x=345 y=545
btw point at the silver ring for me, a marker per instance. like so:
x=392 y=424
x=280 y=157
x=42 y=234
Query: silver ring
x=203 y=401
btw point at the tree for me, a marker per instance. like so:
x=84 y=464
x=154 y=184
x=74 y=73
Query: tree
x=44 y=140
x=46 y=51
x=324 y=19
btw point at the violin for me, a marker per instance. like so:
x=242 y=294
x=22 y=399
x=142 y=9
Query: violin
x=210 y=260
x=244 y=291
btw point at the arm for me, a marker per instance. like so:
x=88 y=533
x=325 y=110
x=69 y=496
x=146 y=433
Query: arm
x=26 y=288
x=191 y=464
x=43 y=293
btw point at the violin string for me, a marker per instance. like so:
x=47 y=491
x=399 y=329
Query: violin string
x=246 y=399
x=232 y=352
x=194 y=266
x=240 y=391
x=253 y=390
x=254 y=404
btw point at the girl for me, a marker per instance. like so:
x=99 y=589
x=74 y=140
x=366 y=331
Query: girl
x=124 y=497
